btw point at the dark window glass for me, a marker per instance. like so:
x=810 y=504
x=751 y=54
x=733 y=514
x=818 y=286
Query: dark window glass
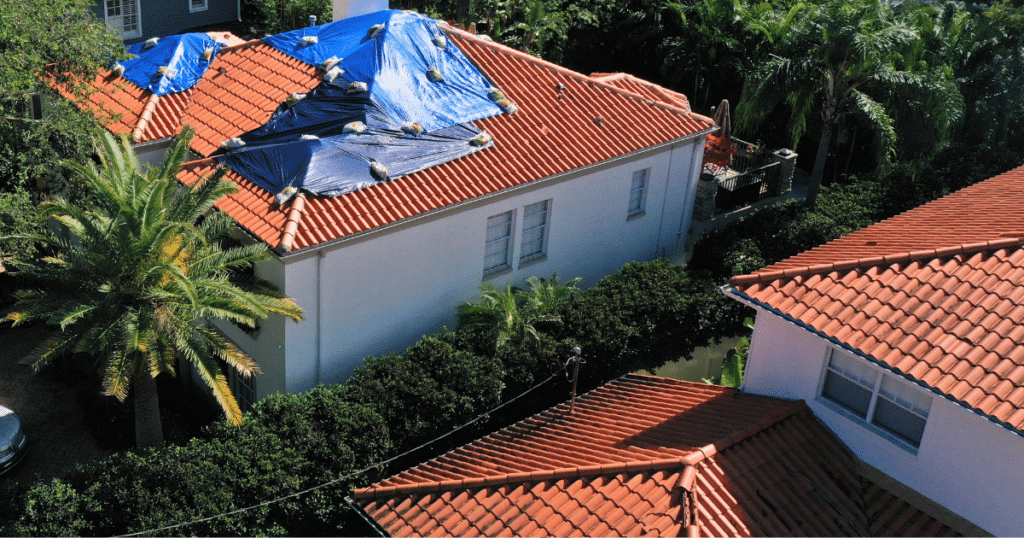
x=850 y=395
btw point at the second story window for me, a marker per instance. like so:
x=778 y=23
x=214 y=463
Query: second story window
x=498 y=250
x=123 y=16
x=638 y=193
x=28 y=106
x=880 y=399
x=535 y=225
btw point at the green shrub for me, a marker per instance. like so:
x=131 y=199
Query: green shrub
x=17 y=216
x=642 y=317
x=288 y=444
x=431 y=388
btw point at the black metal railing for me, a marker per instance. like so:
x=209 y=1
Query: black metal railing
x=738 y=189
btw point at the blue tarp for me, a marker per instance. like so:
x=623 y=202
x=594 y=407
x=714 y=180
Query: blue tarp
x=276 y=156
x=394 y=65
x=183 y=58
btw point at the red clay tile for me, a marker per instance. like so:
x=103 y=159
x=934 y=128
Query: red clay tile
x=968 y=312
x=621 y=499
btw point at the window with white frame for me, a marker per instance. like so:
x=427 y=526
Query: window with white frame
x=498 y=250
x=535 y=226
x=28 y=106
x=197 y=5
x=124 y=16
x=878 y=398
x=638 y=192
x=244 y=389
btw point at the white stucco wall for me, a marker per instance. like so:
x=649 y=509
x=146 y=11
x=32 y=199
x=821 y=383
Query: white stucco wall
x=152 y=153
x=381 y=292
x=966 y=463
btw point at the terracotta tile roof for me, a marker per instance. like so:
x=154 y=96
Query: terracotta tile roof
x=213 y=107
x=116 y=102
x=936 y=294
x=987 y=211
x=243 y=87
x=648 y=90
x=556 y=130
x=648 y=456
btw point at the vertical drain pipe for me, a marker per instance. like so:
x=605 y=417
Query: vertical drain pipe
x=319 y=322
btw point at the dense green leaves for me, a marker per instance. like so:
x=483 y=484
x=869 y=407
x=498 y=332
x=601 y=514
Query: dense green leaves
x=65 y=38
x=642 y=317
x=141 y=274
x=266 y=17
x=428 y=390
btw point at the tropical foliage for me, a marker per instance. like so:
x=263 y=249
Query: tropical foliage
x=854 y=62
x=139 y=276
x=511 y=314
x=66 y=38
x=266 y=17
x=734 y=363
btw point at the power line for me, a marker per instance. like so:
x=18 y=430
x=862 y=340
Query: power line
x=346 y=477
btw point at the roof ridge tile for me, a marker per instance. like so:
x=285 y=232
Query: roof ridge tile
x=555 y=68
x=767 y=277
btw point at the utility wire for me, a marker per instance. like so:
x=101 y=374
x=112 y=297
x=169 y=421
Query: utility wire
x=346 y=477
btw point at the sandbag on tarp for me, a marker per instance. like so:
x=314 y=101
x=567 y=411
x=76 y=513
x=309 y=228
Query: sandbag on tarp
x=174 y=64
x=395 y=64
x=339 y=164
x=323 y=112
x=275 y=156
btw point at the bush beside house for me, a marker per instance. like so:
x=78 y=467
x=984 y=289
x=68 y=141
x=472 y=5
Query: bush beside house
x=646 y=315
x=391 y=404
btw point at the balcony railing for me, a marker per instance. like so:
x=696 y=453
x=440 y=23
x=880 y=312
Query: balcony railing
x=738 y=189
x=740 y=173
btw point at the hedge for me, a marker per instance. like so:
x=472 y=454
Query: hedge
x=645 y=315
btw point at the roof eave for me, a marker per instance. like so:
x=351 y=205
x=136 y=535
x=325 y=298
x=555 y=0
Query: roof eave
x=459 y=205
x=743 y=298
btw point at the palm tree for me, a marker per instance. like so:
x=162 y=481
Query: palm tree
x=847 y=58
x=142 y=272
x=512 y=314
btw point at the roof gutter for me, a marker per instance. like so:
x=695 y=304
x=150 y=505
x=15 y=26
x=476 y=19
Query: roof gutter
x=458 y=206
x=366 y=517
x=743 y=298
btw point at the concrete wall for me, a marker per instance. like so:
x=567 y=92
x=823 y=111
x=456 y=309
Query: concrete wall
x=966 y=463
x=381 y=292
x=160 y=18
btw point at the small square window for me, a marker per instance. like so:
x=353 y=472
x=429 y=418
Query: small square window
x=197 y=5
x=535 y=225
x=498 y=247
x=638 y=192
x=879 y=399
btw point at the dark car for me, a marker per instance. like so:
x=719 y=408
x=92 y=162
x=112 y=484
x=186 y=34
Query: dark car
x=13 y=444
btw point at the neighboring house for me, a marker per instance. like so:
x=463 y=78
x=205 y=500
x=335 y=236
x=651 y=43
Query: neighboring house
x=907 y=339
x=648 y=456
x=588 y=174
x=137 y=20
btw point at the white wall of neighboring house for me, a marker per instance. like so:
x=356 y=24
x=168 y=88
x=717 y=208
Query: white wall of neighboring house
x=152 y=153
x=381 y=291
x=965 y=462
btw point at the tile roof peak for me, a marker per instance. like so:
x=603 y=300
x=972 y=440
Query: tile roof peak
x=768 y=276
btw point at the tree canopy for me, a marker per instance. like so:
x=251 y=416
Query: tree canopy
x=67 y=42
x=140 y=276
